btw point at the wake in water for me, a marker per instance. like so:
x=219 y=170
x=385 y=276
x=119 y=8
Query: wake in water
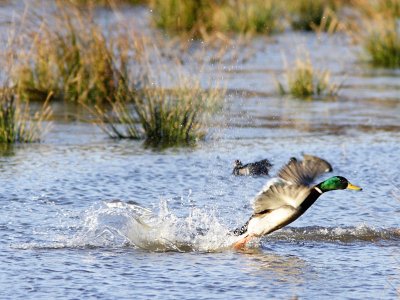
x=117 y=224
x=362 y=233
x=133 y=225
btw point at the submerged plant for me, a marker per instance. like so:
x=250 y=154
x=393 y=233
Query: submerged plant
x=16 y=122
x=305 y=82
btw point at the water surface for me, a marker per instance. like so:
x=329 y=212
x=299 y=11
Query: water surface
x=71 y=226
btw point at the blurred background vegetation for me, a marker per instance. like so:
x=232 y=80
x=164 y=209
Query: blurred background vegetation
x=118 y=74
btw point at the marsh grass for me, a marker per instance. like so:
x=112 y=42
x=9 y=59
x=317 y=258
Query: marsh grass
x=303 y=81
x=112 y=75
x=372 y=8
x=108 y=3
x=381 y=43
x=17 y=124
x=309 y=14
x=162 y=117
x=330 y=23
x=389 y=7
x=20 y=121
x=71 y=57
x=200 y=18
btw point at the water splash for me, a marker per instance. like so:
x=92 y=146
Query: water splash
x=119 y=224
x=132 y=225
x=200 y=230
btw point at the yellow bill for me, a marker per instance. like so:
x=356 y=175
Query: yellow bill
x=353 y=187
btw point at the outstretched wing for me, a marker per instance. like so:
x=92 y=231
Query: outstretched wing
x=279 y=195
x=303 y=173
x=318 y=163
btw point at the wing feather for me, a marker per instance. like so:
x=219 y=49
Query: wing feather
x=321 y=165
x=279 y=195
x=304 y=172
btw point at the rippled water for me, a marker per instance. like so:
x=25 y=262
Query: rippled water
x=85 y=216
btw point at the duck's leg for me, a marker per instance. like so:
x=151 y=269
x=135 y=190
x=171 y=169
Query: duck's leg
x=242 y=243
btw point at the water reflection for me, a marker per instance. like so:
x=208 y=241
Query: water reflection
x=284 y=268
x=6 y=149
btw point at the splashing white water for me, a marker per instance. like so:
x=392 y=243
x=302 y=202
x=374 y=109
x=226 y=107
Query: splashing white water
x=118 y=224
x=124 y=223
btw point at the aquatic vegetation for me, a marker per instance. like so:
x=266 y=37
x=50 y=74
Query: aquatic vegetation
x=306 y=14
x=381 y=43
x=372 y=8
x=303 y=81
x=330 y=23
x=16 y=122
x=108 y=2
x=200 y=18
x=389 y=7
x=71 y=57
x=163 y=117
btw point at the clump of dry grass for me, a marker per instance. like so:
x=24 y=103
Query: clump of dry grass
x=201 y=18
x=389 y=7
x=309 y=14
x=108 y=2
x=163 y=117
x=17 y=125
x=71 y=57
x=303 y=81
x=373 y=8
x=20 y=122
x=381 y=43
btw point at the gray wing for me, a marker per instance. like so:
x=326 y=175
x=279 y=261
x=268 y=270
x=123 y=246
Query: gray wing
x=304 y=172
x=279 y=195
x=318 y=163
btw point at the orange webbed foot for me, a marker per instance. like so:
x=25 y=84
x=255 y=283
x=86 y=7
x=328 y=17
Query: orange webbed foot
x=242 y=243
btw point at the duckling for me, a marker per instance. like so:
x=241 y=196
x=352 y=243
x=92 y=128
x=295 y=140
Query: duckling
x=257 y=168
x=286 y=198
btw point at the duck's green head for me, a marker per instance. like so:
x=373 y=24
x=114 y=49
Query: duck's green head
x=337 y=183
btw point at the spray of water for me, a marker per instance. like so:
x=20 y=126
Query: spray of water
x=162 y=230
x=118 y=224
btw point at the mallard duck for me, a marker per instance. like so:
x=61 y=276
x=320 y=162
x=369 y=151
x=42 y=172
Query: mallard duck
x=257 y=168
x=287 y=197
